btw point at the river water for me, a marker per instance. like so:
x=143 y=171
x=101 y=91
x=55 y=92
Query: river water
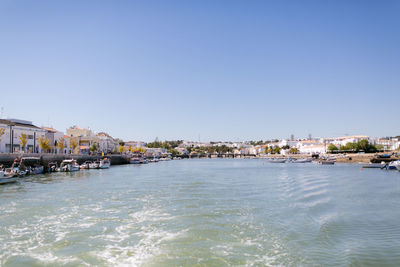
x=209 y=212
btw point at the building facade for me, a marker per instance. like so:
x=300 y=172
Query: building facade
x=10 y=141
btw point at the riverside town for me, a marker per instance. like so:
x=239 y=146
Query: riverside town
x=30 y=149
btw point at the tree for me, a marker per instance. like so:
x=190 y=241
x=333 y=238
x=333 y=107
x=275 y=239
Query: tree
x=61 y=144
x=120 y=141
x=294 y=150
x=23 y=140
x=139 y=149
x=130 y=148
x=173 y=152
x=73 y=144
x=44 y=143
x=332 y=147
x=2 y=131
x=93 y=148
x=121 y=149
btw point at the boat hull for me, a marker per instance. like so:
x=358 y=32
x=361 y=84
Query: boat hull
x=8 y=180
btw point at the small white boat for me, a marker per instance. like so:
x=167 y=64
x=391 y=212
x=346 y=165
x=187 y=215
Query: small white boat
x=277 y=160
x=52 y=167
x=395 y=164
x=86 y=165
x=327 y=162
x=134 y=161
x=374 y=165
x=302 y=161
x=104 y=163
x=94 y=165
x=69 y=165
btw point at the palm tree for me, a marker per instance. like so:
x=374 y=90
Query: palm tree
x=23 y=140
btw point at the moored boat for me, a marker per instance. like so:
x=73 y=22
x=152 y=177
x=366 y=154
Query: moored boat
x=69 y=165
x=374 y=165
x=94 y=165
x=104 y=163
x=326 y=162
x=86 y=165
x=277 y=160
x=17 y=169
x=394 y=165
x=397 y=164
x=52 y=167
x=302 y=160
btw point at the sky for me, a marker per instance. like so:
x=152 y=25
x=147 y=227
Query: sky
x=203 y=70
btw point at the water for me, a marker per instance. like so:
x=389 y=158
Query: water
x=220 y=212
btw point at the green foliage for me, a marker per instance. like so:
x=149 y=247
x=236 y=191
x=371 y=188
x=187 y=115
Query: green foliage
x=294 y=150
x=166 y=144
x=258 y=143
x=332 y=147
x=363 y=145
x=120 y=141
x=173 y=152
x=93 y=147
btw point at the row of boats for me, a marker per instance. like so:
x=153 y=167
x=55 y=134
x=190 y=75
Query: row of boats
x=19 y=169
x=302 y=160
x=143 y=160
x=393 y=165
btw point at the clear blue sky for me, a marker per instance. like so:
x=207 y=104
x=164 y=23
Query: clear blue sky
x=224 y=70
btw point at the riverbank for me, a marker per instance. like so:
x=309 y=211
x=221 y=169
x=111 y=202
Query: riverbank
x=7 y=159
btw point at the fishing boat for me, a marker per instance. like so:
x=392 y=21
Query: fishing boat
x=277 y=160
x=104 y=163
x=134 y=160
x=94 y=165
x=86 y=165
x=69 y=165
x=52 y=167
x=396 y=164
x=374 y=165
x=34 y=165
x=326 y=162
x=17 y=169
x=301 y=161
x=138 y=160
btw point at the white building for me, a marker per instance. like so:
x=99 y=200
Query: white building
x=313 y=149
x=106 y=143
x=55 y=137
x=343 y=140
x=13 y=129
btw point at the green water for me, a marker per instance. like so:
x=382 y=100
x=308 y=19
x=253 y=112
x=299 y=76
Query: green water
x=207 y=212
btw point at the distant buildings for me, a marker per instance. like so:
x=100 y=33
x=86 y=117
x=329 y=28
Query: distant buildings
x=86 y=139
x=13 y=130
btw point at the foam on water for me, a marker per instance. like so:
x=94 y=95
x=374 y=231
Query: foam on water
x=204 y=213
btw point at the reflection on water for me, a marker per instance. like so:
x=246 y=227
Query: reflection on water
x=216 y=212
